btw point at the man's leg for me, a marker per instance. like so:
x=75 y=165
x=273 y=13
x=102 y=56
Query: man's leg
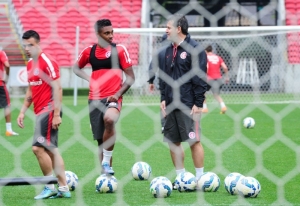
x=45 y=163
x=109 y=137
x=177 y=155
x=198 y=157
x=7 y=114
x=59 y=170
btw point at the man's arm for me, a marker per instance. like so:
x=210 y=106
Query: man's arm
x=79 y=72
x=26 y=104
x=225 y=69
x=199 y=80
x=130 y=78
x=7 y=68
x=57 y=98
x=151 y=76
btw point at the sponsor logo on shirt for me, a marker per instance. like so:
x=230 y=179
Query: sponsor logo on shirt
x=213 y=59
x=183 y=55
x=192 y=135
x=36 y=83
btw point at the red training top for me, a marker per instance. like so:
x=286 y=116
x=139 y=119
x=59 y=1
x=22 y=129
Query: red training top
x=214 y=64
x=105 y=81
x=40 y=74
x=3 y=58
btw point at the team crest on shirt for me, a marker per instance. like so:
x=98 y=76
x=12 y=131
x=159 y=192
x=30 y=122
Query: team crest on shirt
x=40 y=139
x=36 y=72
x=192 y=135
x=183 y=55
x=107 y=54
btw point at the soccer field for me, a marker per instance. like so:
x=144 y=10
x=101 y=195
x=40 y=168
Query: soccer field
x=269 y=152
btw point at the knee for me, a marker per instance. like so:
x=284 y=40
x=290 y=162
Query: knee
x=109 y=122
x=37 y=150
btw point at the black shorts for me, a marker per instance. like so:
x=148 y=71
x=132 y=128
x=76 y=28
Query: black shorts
x=97 y=110
x=215 y=85
x=4 y=97
x=180 y=127
x=44 y=135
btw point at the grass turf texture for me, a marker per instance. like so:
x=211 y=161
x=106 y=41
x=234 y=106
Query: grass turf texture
x=268 y=151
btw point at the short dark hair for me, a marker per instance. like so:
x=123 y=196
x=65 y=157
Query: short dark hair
x=31 y=33
x=208 y=48
x=102 y=23
x=180 y=20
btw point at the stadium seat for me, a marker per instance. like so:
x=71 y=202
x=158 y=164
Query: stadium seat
x=77 y=14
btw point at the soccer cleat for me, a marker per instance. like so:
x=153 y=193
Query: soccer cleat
x=107 y=169
x=162 y=130
x=46 y=193
x=61 y=195
x=204 y=110
x=223 y=110
x=174 y=186
x=11 y=133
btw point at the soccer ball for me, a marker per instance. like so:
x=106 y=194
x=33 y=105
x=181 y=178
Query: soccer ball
x=141 y=171
x=72 y=180
x=106 y=184
x=248 y=187
x=208 y=182
x=248 y=122
x=231 y=182
x=185 y=182
x=161 y=187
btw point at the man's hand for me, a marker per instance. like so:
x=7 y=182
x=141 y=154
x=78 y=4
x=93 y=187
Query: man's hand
x=151 y=87
x=163 y=108
x=196 y=112
x=56 y=121
x=113 y=98
x=226 y=80
x=20 y=120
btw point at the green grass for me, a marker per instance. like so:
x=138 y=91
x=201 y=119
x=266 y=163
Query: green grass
x=269 y=152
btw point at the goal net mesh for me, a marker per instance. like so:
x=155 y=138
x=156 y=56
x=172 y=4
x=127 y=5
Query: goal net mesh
x=263 y=68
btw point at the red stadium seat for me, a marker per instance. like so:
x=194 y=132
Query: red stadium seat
x=82 y=13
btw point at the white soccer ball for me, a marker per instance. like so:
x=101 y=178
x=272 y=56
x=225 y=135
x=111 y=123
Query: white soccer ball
x=249 y=122
x=248 y=187
x=208 y=182
x=231 y=181
x=185 y=182
x=161 y=187
x=106 y=184
x=141 y=171
x=72 y=180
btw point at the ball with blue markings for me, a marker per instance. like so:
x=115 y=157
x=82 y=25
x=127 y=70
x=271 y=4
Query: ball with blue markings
x=106 y=184
x=231 y=181
x=249 y=122
x=248 y=187
x=208 y=182
x=72 y=180
x=141 y=171
x=161 y=187
x=185 y=182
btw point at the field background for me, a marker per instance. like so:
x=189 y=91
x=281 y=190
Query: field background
x=269 y=152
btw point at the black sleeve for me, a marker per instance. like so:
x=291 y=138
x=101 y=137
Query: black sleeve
x=199 y=77
x=151 y=73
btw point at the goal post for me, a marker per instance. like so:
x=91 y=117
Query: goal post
x=261 y=60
